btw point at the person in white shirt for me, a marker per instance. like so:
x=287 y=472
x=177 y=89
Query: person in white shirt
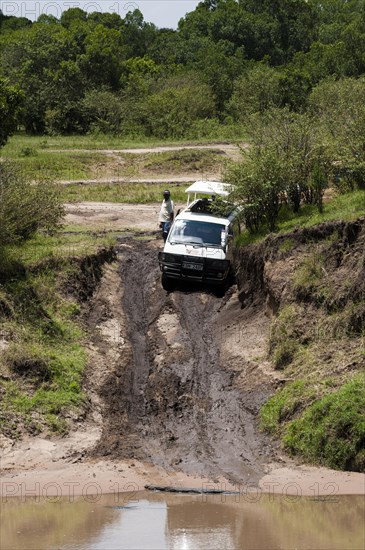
x=166 y=216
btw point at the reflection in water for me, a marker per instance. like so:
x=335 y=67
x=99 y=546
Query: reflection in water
x=158 y=521
x=140 y=526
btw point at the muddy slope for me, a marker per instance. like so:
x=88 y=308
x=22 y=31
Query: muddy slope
x=171 y=398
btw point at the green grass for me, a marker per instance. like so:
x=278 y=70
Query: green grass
x=98 y=141
x=285 y=403
x=39 y=161
x=63 y=245
x=345 y=207
x=332 y=430
x=320 y=421
x=51 y=396
x=57 y=165
x=45 y=359
x=133 y=193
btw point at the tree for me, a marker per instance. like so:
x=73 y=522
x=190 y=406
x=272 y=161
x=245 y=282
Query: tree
x=138 y=75
x=11 y=100
x=219 y=66
x=137 y=34
x=104 y=53
x=109 y=20
x=296 y=139
x=73 y=16
x=171 y=110
x=294 y=87
x=275 y=28
x=66 y=88
x=339 y=106
x=258 y=182
x=250 y=54
x=286 y=161
x=103 y=111
x=30 y=58
x=255 y=91
x=10 y=23
x=168 y=48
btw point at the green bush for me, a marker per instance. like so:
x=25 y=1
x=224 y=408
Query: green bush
x=26 y=206
x=103 y=111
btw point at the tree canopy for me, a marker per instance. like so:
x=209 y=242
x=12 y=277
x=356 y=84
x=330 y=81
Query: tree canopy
x=243 y=55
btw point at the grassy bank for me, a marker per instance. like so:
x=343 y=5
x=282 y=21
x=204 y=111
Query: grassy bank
x=41 y=336
x=321 y=422
x=317 y=341
x=347 y=207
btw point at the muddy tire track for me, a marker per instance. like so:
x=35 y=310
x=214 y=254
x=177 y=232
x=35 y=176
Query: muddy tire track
x=173 y=399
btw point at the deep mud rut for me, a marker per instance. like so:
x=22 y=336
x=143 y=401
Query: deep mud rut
x=174 y=396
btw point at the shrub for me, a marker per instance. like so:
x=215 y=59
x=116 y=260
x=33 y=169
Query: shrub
x=25 y=206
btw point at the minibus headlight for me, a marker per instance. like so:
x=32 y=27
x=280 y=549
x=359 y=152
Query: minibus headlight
x=169 y=258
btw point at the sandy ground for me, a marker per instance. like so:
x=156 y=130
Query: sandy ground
x=46 y=468
x=113 y=217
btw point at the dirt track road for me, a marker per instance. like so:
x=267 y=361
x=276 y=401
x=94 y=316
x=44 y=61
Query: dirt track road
x=172 y=398
x=108 y=216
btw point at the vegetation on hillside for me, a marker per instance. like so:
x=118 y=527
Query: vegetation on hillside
x=42 y=356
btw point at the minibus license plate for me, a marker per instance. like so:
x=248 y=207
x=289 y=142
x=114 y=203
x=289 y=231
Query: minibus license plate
x=188 y=265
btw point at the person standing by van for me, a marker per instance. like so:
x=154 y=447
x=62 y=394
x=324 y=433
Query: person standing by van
x=166 y=216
